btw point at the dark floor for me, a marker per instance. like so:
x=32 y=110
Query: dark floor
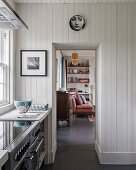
x=76 y=149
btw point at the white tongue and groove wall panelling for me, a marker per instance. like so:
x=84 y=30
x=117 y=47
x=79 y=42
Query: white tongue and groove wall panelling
x=114 y=27
x=36 y=38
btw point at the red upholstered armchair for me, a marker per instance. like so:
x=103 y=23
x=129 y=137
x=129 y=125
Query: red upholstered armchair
x=87 y=108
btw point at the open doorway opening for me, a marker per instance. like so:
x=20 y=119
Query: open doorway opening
x=75 y=86
x=68 y=136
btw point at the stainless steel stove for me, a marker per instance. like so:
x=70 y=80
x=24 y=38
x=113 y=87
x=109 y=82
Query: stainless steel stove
x=22 y=142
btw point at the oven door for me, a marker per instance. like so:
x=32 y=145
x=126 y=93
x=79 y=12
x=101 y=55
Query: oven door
x=31 y=161
x=34 y=154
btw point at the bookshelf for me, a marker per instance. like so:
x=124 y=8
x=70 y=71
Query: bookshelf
x=77 y=78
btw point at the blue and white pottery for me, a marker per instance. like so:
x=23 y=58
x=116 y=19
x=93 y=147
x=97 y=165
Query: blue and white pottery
x=22 y=105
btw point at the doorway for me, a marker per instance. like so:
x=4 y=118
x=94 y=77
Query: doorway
x=76 y=79
x=79 y=46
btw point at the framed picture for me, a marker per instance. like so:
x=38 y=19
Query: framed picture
x=33 y=63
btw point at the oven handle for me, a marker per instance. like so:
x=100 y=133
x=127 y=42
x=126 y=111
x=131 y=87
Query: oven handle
x=33 y=143
x=36 y=150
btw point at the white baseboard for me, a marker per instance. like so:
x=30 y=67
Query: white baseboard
x=54 y=151
x=98 y=150
x=50 y=157
x=117 y=158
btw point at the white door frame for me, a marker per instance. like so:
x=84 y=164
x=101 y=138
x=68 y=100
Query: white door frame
x=78 y=46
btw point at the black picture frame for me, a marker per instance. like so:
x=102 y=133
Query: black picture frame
x=22 y=56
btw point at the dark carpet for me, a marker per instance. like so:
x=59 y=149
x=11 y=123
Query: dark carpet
x=76 y=149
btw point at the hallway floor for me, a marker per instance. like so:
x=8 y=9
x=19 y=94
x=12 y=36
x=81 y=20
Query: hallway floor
x=76 y=149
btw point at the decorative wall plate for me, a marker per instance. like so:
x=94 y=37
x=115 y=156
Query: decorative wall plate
x=77 y=23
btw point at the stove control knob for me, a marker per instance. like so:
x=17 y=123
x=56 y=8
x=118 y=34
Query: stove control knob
x=17 y=157
x=25 y=146
x=28 y=144
x=22 y=151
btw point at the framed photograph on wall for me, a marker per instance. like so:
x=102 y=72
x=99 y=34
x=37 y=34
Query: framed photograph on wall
x=33 y=63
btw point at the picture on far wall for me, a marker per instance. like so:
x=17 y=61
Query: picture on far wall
x=33 y=62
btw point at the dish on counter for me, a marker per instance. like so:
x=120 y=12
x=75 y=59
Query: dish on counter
x=23 y=105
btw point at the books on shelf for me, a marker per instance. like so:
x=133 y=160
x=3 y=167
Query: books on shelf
x=83 y=64
x=78 y=71
x=84 y=80
x=77 y=80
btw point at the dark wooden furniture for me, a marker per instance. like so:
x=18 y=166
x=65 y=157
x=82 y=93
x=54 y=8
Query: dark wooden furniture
x=63 y=100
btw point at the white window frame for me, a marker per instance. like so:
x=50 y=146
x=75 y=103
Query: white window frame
x=5 y=64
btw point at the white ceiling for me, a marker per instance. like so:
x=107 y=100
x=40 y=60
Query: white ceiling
x=74 y=1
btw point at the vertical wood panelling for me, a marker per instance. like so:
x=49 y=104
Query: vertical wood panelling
x=39 y=25
x=55 y=23
x=20 y=88
x=66 y=22
x=17 y=62
x=87 y=18
x=82 y=13
x=28 y=46
x=50 y=40
x=97 y=22
x=23 y=39
x=60 y=25
x=122 y=76
x=113 y=79
x=104 y=83
x=33 y=41
x=108 y=56
x=92 y=22
x=131 y=117
x=134 y=75
x=111 y=25
x=77 y=11
x=44 y=38
x=108 y=34
x=71 y=32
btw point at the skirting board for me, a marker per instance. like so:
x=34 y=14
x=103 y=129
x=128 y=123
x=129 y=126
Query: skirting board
x=54 y=151
x=117 y=158
x=50 y=157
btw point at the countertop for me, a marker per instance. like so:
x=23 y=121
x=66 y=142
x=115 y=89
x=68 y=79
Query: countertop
x=13 y=116
x=3 y=157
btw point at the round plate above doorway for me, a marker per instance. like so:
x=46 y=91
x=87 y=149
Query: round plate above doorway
x=77 y=23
